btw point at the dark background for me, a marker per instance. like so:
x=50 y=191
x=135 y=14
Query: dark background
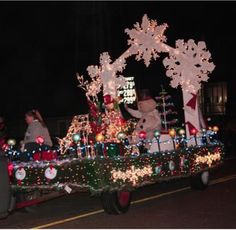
x=44 y=44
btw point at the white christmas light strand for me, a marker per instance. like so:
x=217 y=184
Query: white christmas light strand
x=59 y=162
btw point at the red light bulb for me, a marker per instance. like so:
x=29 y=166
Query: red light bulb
x=142 y=134
x=40 y=140
x=193 y=132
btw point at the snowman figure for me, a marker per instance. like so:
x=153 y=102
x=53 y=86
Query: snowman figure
x=149 y=117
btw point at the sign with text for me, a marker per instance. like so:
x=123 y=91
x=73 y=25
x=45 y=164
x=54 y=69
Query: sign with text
x=128 y=92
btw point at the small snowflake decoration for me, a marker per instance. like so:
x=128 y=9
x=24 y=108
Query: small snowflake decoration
x=146 y=39
x=188 y=65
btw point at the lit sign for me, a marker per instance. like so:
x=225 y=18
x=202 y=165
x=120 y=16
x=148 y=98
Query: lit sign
x=131 y=174
x=208 y=159
x=128 y=92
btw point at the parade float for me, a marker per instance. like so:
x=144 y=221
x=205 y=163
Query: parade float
x=109 y=156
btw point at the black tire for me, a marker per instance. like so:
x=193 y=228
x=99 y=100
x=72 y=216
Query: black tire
x=5 y=189
x=117 y=202
x=200 y=181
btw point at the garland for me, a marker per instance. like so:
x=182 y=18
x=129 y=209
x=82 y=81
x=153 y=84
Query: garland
x=115 y=173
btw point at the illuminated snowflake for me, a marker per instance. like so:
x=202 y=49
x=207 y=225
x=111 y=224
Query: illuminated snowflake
x=108 y=72
x=106 y=75
x=188 y=65
x=146 y=39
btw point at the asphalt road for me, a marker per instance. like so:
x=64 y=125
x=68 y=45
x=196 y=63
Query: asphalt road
x=166 y=205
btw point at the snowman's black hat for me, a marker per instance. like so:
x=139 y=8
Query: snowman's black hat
x=144 y=94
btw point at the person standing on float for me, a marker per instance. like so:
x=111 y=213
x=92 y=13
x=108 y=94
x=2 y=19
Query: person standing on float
x=36 y=130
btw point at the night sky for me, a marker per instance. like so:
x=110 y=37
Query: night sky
x=44 y=44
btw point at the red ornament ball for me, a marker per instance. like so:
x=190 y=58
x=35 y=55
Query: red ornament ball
x=193 y=132
x=40 y=140
x=142 y=134
x=108 y=99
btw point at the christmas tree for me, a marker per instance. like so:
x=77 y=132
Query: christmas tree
x=166 y=109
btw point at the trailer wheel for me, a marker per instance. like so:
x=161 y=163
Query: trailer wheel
x=117 y=202
x=200 y=181
x=5 y=189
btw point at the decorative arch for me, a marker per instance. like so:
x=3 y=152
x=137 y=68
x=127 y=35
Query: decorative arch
x=187 y=64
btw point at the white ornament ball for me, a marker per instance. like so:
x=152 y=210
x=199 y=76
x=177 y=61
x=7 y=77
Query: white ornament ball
x=171 y=165
x=158 y=169
x=20 y=174
x=50 y=173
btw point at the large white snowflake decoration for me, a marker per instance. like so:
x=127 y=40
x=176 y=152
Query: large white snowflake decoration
x=108 y=72
x=106 y=75
x=146 y=39
x=188 y=65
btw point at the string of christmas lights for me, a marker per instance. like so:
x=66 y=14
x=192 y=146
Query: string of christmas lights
x=121 y=145
x=120 y=171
